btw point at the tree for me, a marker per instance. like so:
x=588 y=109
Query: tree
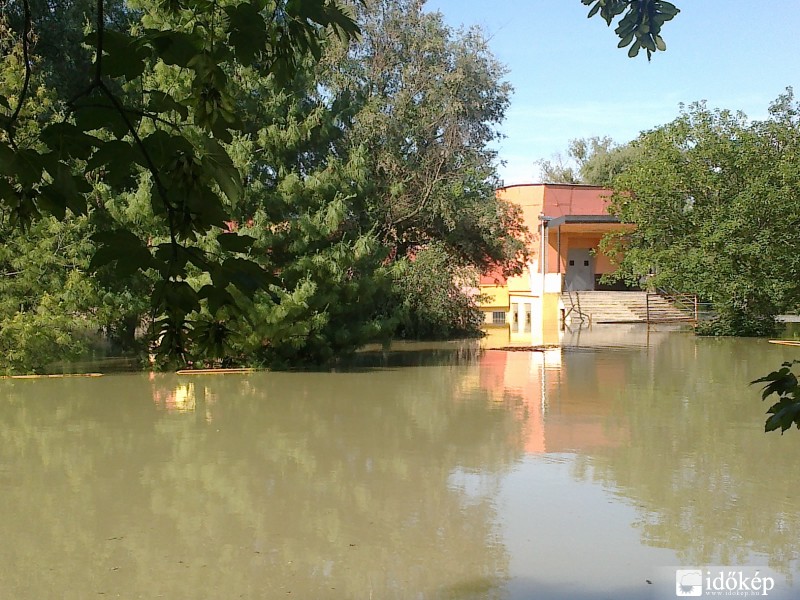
x=297 y=219
x=428 y=103
x=125 y=135
x=639 y=28
x=591 y=161
x=602 y=160
x=51 y=308
x=115 y=140
x=436 y=299
x=64 y=61
x=713 y=198
x=559 y=169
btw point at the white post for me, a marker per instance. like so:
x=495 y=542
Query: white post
x=543 y=252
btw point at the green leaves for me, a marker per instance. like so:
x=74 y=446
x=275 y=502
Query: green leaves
x=216 y=161
x=786 y=411
x=117 y=159
x=180 y=297
x=711 y=196
x=96 y=112
x=67 y=140
x=213 y=339
x=781 y=382
x=161 y=102
x=65 y=191
x=233 y=242
x=26 y=165
x=124 y=249
x=640 y=27
x=123 y=55
x=216 y=298
x=156 y=133
x=247 y=31
x=175 y=48
x=243 y=274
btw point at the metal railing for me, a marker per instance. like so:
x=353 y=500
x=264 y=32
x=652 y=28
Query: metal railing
x=574 y=307
x=687 y=304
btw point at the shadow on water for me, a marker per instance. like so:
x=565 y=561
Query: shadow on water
x=398 y=354
x=414 y=354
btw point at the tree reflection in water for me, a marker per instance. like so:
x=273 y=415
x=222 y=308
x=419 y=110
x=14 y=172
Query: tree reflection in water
x=342 y=484
x=708 y=483
x=325 y=485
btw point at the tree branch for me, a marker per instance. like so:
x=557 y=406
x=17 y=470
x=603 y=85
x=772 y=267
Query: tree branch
x=137 y=112
x=26 y=59
x=98 y=72
x=162 y=190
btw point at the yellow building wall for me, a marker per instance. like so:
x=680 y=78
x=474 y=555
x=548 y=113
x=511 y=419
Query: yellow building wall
x=497 y=297
x=551 y=319
x=520 y=283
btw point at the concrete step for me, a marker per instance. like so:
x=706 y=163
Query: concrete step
x=619 y=307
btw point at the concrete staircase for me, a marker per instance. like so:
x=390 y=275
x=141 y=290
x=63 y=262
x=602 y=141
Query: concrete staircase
x=620 y=307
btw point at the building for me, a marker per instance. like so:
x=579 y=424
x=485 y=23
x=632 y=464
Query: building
x=567 y=222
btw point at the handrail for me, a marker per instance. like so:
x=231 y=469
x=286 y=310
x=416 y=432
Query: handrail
x=574 y=307
x=685 y=302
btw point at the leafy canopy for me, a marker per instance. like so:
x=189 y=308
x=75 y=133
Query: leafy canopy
x=713 y=198
x=143 y=126
x=126 y=132
x=592 y=161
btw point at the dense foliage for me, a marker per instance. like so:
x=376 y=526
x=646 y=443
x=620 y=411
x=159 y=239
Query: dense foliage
x=433 y=306
x=429 y=102
x=744 y=308
x=245 y=183
x=713 y=197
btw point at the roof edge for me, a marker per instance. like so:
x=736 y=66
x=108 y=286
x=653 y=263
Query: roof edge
x=567 y=219
x=566 y=185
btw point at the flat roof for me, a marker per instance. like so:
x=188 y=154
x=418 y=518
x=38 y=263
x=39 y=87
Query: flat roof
x=572 y=185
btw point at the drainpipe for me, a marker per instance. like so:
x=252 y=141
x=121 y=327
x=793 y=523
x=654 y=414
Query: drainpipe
x=543 y=247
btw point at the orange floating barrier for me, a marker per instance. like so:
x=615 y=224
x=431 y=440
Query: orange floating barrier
x=213 y=371
x=55 y=376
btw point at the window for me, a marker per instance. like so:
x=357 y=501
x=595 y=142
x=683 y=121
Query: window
x=498 y=317
x=515 y=316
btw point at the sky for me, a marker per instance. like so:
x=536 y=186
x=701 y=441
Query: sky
x=572 y=81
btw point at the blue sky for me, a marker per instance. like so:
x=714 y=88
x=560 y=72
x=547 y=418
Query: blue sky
x=571 y=80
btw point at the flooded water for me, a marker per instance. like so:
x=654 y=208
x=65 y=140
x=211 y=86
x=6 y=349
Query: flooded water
x=587 y=473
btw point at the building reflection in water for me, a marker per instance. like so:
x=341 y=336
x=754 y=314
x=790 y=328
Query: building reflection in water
x=672 y=429
x=183 y=396
x=554 y=409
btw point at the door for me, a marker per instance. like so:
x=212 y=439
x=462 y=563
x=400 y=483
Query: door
x=580 y=270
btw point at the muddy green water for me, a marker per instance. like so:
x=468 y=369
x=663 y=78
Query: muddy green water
x=450 y=473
